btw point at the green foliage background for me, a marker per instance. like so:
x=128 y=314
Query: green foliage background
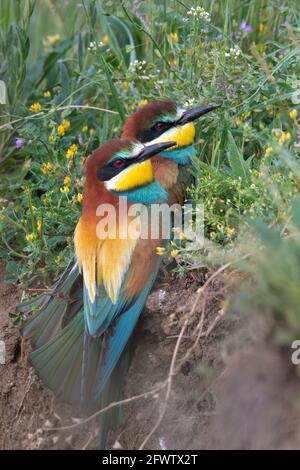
x=91 y=63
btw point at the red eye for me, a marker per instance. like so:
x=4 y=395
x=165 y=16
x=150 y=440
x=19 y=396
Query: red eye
x=119 y=163
x=160 y=126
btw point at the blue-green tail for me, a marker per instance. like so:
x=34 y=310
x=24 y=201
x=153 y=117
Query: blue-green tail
x=85 y=362
x=47 y=313
x=71 y=365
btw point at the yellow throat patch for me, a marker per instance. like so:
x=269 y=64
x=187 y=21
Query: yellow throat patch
x=136 y=175
x=182 y=135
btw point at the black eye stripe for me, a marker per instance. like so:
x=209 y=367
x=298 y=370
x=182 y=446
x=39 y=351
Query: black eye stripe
x=147 y=135
x=161 y=126
x=109 y=171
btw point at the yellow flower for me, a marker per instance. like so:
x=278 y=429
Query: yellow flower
x=293 y=113
x=64 y=189
x=47 y=167
x=160 y=250
x=284 y=137
x=57 y=260
x=174 y=253
x=29 y=237
x=143 y=102
x=69 y=154
x=53 y=38
x=67 y=180
x=92 y=131
x=79 y=197
x=52 y=138
x=212 y=235
x=105 y=39
x=66 y=124
x=268 y=150
x=172 y=62
x=71 y=151
x=261 y=27
x=74 y=148
x=252 y=186
x=39 y=225
x=61 y=130
x=35 y=108
x=230 y=232
x=182 y=236
x=45 y=202
x=47 y=94
x=173 y=37
x=84 y=128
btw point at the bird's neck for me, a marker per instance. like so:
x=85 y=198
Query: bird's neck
x=182 y=155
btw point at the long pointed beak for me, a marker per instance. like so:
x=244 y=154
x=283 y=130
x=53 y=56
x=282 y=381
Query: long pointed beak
x=193 y=114
x=153 y=149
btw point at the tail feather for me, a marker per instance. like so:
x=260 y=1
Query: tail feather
x=113 y=418
x=49 y=310
x=89 y=371
x=58 y=363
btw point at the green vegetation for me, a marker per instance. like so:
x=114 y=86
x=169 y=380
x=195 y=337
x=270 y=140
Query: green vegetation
x=73 y=70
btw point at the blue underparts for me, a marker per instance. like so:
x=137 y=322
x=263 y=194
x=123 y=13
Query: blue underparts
x=182 y=156
x=149 y=194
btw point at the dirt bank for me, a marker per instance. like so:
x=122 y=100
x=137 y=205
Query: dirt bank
x=231 y=388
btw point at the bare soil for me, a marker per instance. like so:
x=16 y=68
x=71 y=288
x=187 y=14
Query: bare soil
x=231 y=389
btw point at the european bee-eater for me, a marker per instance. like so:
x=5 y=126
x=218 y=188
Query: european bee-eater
x=118 y=273
x=104 y=312
x=157 y=121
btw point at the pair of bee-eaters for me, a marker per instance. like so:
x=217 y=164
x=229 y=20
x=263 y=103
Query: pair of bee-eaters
x=80 y=330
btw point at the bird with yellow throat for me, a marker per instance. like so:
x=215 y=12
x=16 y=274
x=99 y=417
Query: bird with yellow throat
x=97 y=310
x=158 y=121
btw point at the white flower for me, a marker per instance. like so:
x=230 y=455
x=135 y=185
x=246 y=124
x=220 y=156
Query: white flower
x=233 y=52
x=189 y=102
x=199 y=14
x=93 y=46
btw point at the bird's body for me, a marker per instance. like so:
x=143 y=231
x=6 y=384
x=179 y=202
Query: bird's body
x=79 y=358
x=118 y=273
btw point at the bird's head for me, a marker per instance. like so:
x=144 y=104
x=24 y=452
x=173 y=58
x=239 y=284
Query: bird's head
x=123 y=167
x=164 y=121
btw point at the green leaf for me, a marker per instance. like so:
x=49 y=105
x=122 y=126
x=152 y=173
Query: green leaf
x=237 y=163
x=64 y=80
x=118 y=103
x=80 y=51
x=3 y=92
x=296 y=211
x=270 y=237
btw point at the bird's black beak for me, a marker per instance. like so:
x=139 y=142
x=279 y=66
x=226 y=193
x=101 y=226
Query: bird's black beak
x=193 y=114
x=153 y=149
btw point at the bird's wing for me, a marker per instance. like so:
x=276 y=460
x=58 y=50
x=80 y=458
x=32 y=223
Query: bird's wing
x=77 y=365
x=46 y=313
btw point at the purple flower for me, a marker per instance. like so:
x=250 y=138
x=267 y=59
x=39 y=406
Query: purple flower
x=19 y=142
x=246 y=27
x=281 y=52
x=219 y=37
